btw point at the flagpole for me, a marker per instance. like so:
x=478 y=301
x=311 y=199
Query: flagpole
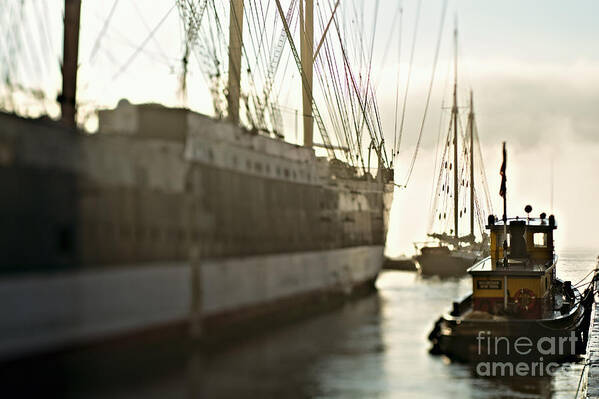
x=503 y=184
x=503 y=193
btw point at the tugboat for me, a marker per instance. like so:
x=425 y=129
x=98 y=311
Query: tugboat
x=518 y=310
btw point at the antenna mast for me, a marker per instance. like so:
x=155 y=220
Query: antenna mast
x=235 y=45
x=307 y=55
x=67 y=99
x=552 y=178
x=471 y=124
x=454 y=111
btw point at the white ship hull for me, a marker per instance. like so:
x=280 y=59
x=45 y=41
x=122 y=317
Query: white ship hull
x=48 y=312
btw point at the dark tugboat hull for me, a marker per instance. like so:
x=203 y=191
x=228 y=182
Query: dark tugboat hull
x=476 y=340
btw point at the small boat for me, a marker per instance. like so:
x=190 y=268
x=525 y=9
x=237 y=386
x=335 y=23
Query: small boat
x=518 y=311
x=444 y=262
x=451 y=254
x=403 y=263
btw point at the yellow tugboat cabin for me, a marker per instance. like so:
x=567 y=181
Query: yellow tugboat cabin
x=519 y=284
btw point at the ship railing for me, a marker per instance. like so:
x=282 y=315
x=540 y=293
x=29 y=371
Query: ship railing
x=459 y=307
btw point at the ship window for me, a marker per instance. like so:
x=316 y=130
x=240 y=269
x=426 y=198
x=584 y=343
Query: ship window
x=540 y=240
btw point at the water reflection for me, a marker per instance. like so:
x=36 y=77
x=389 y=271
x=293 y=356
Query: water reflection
x=373 y=347
x=316 y=357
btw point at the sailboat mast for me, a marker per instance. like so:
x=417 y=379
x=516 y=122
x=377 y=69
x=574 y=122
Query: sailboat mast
x=235 y=46
x=471 y=124
x=307 y=58
x=67 y=99
x=454 y=111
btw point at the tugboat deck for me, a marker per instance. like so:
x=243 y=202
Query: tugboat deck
x=515 y=267
x=553 y=313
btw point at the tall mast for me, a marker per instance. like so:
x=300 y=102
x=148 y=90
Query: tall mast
x=471 y=124
x=67 y=99
x=307 y=55
x=454 y=111
x=235 y=46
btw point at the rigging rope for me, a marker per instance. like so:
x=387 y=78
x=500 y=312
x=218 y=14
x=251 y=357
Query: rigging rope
x=142 y=45
x=482 y=172
x=428 y=96
x=315 y=111
x=362 y=105
x=405 y=98
x=96 y=45
x=397 y=85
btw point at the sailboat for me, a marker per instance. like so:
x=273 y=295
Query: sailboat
x=451 y=254
x=169 y=218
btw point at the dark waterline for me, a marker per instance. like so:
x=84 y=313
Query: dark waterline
x=372 y=347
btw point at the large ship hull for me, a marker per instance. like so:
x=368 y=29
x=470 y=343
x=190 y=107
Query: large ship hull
x=166 y=217
x=46 y=312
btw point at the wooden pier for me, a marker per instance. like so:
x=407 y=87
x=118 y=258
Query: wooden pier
x=592 y=366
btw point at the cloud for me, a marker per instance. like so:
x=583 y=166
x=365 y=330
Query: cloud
x=523 y=103
x=530 y=103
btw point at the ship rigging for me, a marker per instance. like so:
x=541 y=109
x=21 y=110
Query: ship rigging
x=245 y=53
x=455 y=191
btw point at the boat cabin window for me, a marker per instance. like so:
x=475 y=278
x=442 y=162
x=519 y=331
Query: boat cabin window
x=540 y=240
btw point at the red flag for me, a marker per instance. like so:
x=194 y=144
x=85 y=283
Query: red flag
x=502 y=173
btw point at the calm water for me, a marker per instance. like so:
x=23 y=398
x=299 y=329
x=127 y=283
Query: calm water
x=373 y=347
